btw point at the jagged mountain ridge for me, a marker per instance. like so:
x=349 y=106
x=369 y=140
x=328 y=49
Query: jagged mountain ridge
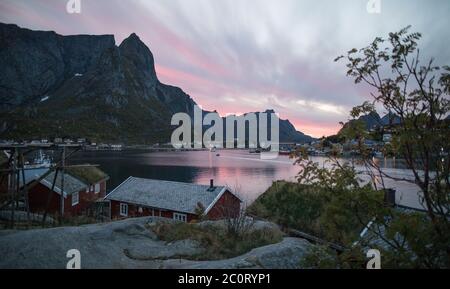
x=373 y=120
x=287 y=131
x=86 y=86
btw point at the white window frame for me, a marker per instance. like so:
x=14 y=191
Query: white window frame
x=180 y=217
x=123 y=209
x=95 y=188
x=75 y=200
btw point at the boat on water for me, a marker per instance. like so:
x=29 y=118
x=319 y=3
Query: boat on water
x=254 y=151
x=34 y=169
x=40 y=161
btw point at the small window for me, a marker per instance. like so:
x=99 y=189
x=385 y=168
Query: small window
x=124 y=209
x=97 y=188
x=75 y=198
x=180 y=217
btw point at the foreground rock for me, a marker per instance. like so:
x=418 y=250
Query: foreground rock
x=284 y=255
x=130 y=244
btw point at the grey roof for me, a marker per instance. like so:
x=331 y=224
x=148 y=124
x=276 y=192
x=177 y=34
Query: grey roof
x=371 y=236
x=32 y=174
x=71 y=184
x=174 y=196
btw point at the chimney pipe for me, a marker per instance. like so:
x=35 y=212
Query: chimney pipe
x=389 y=197
x=211 y=183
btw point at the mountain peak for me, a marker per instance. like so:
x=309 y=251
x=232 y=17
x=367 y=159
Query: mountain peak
x=133 y=37
x=133 y=49
x=116 y=85
x=133 y=41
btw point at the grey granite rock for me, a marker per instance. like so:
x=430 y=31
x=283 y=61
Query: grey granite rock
x=130 y=244
x=284 y=255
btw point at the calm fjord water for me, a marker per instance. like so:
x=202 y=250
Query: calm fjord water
x=238 y=169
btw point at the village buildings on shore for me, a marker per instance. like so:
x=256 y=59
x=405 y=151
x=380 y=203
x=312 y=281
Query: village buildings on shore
x=81 y=190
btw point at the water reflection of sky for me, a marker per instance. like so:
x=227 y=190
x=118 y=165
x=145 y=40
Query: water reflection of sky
x=239 y=170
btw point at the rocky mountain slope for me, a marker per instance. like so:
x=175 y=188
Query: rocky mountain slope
x=287 y=131
x=35 y=63
x=373 y=120
x=86 y=86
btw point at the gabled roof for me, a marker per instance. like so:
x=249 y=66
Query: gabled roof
x=76 y=179
x=32 y=174
x=71 y=184
x=174 y=196
x=372 y=235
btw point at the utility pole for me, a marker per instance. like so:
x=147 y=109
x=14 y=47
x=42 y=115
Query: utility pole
x=63 y=163
x=25 y=188
x=13 y=185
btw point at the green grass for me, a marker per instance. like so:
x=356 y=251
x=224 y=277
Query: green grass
x=217 y=242
x=89 y=175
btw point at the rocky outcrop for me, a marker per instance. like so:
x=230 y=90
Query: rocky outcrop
x=83 y=86
x=36 y=63
x=284 y=255
x=131 y=244
x=288 y=133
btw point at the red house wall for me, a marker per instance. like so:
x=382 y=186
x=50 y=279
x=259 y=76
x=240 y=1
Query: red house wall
x=3 y=184
x=227 y=206
x=37 y=197
x=4 y=177
x=133 y=212
x=86 y=199
x=38 y=200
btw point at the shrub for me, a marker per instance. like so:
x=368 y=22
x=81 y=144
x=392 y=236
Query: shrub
x=217 y=241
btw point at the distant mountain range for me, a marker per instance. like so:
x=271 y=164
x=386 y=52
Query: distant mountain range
x=374 y=120
x=86 y=86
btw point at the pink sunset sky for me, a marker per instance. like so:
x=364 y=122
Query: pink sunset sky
x=250 y=55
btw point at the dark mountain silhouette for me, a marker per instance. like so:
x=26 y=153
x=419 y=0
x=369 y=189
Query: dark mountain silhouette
x=373 y=120
x=86 y=86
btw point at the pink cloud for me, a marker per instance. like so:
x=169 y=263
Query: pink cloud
x=211 y=81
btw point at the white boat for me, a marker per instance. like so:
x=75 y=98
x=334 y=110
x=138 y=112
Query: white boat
x=40 y=161
x=254 y=151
